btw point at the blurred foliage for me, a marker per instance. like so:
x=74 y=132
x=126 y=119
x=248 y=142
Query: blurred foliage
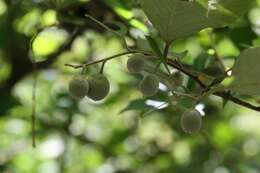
x=115 y=135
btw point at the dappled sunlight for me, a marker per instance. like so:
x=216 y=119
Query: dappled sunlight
x=159 y=86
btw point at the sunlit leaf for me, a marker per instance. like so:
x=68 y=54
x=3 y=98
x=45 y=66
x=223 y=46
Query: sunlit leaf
x=154 y=46
x=198 y=65
x=47 y=41
x=118 y=27
x=138 y=105
x=176 y=19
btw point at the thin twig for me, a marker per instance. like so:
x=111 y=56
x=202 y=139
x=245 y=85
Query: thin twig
x=223 y=95
x=102 y=67
x=165 y=54
x=186 y=95
x=102 y=60
x=39 y=65
x=101 y=24
x=33 y=93
x=34 y=104
x=166 y=50
x=216 y=55
x=108 y=29
x=183 y=69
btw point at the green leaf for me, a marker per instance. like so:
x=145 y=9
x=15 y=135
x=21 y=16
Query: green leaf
x=117 y=27
x=142 y=44
x=179 y=55
x=7 y=101
x=246 y=72
x=237 y=7
x=62 y=4
x=138 y=105
x=217 y=80
x=154 y=46
x=176 y=19
x=198 y=65
x=213 y=70
x=225 y=101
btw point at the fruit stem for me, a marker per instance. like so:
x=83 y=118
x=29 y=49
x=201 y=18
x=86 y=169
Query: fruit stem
x=166 y=50
x=102 y=67
x=164 y=58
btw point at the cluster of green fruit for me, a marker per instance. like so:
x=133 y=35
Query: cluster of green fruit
x=150 y=83
x=191 y=120
x=95 y=87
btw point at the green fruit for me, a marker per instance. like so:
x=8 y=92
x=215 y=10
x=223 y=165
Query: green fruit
x=177 y=78
x=78 y=87
x=135 y=64
x=99 y=87
x=149 y=85
x=191 y=121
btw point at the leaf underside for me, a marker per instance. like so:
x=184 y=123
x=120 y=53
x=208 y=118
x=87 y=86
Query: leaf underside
x=246 y=72
x=177 y=19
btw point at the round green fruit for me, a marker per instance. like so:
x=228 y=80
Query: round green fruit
x=135 y=64
x=78 y=87
x=149 y=85
x=98 y=87
x=191 y=121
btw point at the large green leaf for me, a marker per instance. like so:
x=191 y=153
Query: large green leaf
x=237 y=7
x=138 y=105
x=246 y=72
x=175 y=19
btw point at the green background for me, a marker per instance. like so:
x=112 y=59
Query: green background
x=98 y=137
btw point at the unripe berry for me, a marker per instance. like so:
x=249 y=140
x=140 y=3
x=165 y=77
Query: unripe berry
x=98 y=87
x=78 y=87
x=149 y=85
x=191 y=121
x=135 y=64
